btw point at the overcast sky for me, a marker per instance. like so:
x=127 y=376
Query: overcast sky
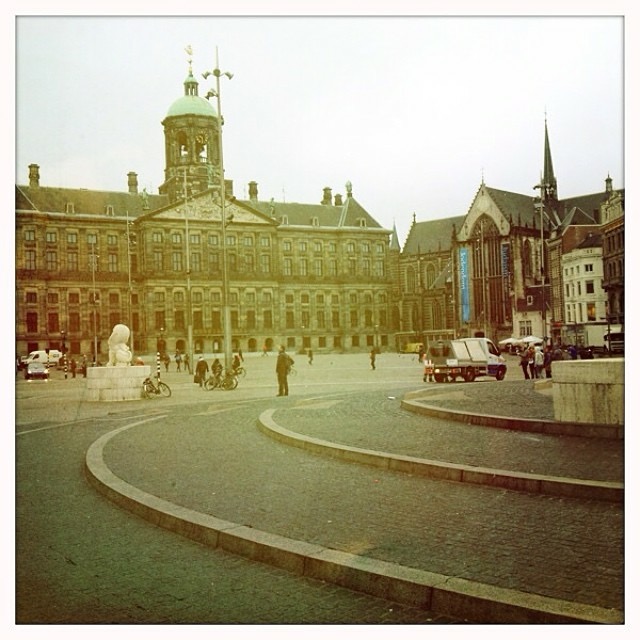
x=413 y=111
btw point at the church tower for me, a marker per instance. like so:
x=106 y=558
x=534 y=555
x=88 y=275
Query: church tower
x=191 y=130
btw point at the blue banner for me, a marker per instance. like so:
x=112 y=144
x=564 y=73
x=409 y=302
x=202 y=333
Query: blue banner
x=464 y=284
x=504 y=254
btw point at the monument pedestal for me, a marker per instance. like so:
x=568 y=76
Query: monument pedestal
x=589 y=391
x=116 y=384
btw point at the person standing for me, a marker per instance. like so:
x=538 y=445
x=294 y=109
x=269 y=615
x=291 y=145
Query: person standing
x=178 y=360
x=310 y=356
x=524 y=362
x=372 y=357
x=283 y=366
x=548 y=358
x=187 y=363
x=538 y=359
x=202 y=368
x=240 y=355
x=73 y=366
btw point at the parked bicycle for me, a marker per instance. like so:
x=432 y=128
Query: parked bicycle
x=151 y=388
x=227 y=381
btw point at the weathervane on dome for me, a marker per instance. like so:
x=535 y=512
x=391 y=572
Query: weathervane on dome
x=189 y=52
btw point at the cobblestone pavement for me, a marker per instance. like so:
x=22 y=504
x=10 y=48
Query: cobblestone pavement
x=81 y=559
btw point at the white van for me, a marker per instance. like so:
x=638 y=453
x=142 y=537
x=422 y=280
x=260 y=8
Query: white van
x=51 y=357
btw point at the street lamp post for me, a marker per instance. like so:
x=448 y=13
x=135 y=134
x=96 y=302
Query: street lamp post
x=94 y=265
x=540 y=205
x=226 y=312
x=188 y=265
x=129 y=243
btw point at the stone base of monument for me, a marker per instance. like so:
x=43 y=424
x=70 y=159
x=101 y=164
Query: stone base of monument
x=589 y=391
x=116 y=384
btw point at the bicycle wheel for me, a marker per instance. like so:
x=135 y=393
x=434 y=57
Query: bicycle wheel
x=229 y=383
x=241 y=372
x=164 y=389
x=147 y=390
x=210 y=383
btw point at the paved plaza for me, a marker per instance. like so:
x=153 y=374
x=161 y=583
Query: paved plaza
x=82 y=559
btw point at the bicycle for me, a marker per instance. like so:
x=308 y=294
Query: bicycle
x=227 y=381
x=150 y=389
x=240 y=372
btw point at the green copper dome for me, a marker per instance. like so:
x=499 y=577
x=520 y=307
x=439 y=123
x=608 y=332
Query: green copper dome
x=191 y=105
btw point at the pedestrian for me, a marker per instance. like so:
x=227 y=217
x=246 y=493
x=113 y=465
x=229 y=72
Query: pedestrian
x=264 y=349
x=538 y=360
x=84 y=365
x=240 y=355
x=283 y=367
x=548 y=358
x=310 y=356
x=428 y=368
x=421 y=354
x=532 y=362
x=167 y=361
x=73 y=366
x=178 y=360
x=524 y=362
x=573 y=352
x=202 y=368
x=187 y=364
x=235 y=365
x=372 y=357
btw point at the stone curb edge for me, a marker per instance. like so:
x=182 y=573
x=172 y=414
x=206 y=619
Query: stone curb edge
x=444 y=595
x=549 y=427
x=435 y=469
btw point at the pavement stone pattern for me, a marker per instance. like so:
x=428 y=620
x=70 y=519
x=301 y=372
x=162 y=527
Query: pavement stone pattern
x=81 y=559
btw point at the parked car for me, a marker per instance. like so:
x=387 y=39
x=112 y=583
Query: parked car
x=36 y=371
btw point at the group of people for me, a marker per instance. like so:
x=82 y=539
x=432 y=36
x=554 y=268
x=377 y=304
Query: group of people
x=202 y=368
x=534 y=360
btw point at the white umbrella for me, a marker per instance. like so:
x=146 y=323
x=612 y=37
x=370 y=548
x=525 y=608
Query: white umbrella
x=528 y=339
x=509 y=341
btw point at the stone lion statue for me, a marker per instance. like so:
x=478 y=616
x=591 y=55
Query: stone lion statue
x=119 y=352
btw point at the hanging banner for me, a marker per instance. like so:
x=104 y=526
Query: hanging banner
x=463 y=255
x=504 y=254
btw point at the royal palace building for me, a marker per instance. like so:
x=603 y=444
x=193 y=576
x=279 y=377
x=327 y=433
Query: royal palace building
x=309 y=276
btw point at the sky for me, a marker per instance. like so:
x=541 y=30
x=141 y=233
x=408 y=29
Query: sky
x=414 y=110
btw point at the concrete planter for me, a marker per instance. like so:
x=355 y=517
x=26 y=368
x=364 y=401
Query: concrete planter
x=589 y=391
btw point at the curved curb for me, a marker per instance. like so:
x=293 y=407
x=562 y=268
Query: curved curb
x=549 y=427
x=445 y=595
x=435 y=469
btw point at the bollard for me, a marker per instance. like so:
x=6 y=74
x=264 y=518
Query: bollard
x=64 y=357
x=158 y=365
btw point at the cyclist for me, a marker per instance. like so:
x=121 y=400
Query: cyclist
x=216 y=370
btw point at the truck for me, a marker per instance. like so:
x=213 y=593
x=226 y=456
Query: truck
x=466 y=358
x=614 y=340
x=49 y=357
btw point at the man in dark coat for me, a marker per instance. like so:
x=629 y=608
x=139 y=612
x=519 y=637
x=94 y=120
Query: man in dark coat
x=283 y=366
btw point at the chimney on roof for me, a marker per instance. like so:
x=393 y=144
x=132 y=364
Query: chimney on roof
x=338 y=200
x=34 y=176
x=253 y=191
x=326 y=197
x=133 y=182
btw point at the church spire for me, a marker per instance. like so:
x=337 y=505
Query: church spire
x=548 y=177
